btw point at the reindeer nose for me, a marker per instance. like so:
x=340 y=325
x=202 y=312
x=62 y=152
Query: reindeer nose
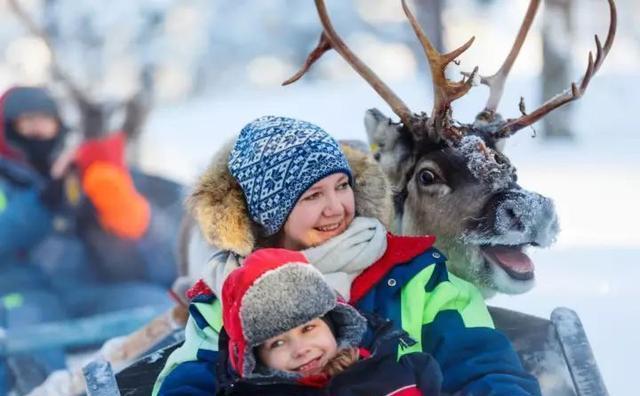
x=527 y=213
x=509 y=216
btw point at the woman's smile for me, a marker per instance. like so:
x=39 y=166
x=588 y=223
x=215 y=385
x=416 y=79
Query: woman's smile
x=329 y=227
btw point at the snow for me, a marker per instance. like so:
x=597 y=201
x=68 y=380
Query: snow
x=594 y=182
x=99 y=377
x=483 y=165
x=154 y=357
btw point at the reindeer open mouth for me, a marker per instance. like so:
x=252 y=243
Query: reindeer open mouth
x=512 y=259
x=511 y=221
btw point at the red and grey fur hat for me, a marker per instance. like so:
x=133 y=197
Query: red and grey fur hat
x=273 y=292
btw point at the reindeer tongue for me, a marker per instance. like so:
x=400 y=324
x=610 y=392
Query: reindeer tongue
x=511 y=258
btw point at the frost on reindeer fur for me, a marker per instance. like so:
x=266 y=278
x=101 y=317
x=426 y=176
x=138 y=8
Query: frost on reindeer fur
x=498 y=175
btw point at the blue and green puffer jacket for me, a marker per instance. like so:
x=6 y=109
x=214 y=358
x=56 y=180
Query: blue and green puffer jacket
x=409 y=285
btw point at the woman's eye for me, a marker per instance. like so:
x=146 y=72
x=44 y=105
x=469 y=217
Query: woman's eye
x=311 y=197
x=342 y=186
x=426 y=177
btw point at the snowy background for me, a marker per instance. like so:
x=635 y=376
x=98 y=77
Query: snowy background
x=594 y=180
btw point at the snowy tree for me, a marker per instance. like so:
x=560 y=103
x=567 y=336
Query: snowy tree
x=557 y=43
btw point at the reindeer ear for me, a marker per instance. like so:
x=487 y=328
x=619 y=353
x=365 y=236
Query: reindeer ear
x=381 y=131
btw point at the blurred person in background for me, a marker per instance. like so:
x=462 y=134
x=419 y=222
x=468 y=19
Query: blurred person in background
x=76 y=236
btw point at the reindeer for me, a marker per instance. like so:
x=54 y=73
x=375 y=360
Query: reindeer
x=451 y=178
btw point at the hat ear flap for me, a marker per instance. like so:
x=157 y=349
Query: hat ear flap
x=219 y=207
x=236 y=355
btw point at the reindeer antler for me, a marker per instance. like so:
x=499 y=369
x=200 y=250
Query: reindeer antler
x=444 y=91
x=330 y=39
x=577 y=90
x=496 y=81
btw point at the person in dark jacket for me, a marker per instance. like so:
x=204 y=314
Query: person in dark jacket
x=286 y=332
x=75 y=240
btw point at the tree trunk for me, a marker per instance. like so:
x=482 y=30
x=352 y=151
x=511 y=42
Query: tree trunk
x=429 y=14
x=557 y=43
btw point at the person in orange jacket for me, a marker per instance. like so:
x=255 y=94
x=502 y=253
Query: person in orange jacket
x=76 y=236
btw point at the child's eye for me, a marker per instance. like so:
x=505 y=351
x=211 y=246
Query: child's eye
x=276 y=344
x=308 y=328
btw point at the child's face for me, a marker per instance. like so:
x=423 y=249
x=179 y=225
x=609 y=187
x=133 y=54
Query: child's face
x=325 y=210
x=305 y=349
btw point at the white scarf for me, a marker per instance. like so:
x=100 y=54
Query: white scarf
x=341 y=259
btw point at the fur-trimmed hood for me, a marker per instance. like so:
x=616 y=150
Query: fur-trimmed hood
x=218 y=205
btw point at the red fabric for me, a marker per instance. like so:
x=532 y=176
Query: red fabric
x=364 y=353
x=6 y=150
x=110 y=149
x=400 y=249
x=235 y=287
x=409 y=390
x=200 y=288
x=315 y=381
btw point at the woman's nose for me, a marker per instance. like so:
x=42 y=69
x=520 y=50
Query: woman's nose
x=333 y=206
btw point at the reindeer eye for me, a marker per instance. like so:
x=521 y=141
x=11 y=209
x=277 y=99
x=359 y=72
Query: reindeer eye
x=426 y=177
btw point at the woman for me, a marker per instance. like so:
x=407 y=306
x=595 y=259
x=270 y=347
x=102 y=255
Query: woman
x=286 y=183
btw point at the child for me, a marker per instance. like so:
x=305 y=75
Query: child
x=286 y=332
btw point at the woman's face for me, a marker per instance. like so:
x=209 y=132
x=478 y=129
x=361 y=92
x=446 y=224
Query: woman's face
x=325 y=210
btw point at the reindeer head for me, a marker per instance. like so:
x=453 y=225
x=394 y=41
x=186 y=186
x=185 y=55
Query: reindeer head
x=450 y=178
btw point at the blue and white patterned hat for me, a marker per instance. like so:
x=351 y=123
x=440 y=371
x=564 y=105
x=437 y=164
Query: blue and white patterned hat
x=276 y=159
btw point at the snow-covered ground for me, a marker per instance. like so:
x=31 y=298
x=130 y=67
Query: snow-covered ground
x=595 y=182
